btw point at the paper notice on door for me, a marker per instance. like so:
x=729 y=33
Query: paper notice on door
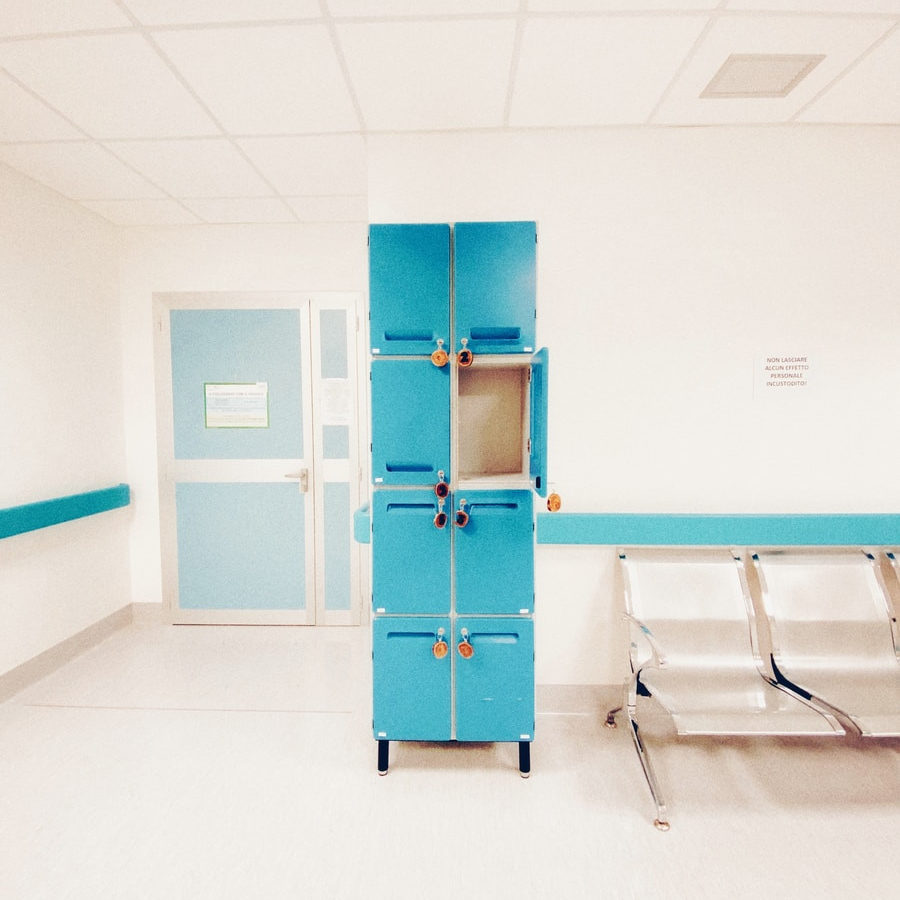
x=237 y=405
x=336 y=396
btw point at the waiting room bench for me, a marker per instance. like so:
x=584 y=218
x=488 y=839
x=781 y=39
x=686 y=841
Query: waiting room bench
x=797 y=637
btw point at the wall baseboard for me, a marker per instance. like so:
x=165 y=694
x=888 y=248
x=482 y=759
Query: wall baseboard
x=49 y=661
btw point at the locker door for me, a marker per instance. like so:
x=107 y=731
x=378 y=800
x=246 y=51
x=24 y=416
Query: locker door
x=411 y=699
x=538 y=436
x=494 y=553
x=411 y=558
x=494 y=286
x=495 y=683
x=409 y=288
x=410 y=421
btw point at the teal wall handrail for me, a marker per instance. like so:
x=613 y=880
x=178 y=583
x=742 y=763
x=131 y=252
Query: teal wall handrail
x=33 y=516
x=672 y=530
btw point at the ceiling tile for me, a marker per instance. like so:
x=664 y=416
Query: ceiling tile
x=186 y=12
x=618 y=5
x=266 y=79
x=50 y=16
x=841 y=40
x=430 y=75
x=381 y=8
x=142 y=212
x=204 y=167
x=80 y=170
x=867 y=93
x=24 y=118
x=111 y=85
x=597 y=71
x=320 y=164
x=829 y=6
x=330 y=209
x=241 y=211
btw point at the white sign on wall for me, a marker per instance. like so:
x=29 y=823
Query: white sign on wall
x=788 y=374
x=237 y=405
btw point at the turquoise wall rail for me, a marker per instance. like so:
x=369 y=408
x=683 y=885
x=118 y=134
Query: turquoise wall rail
x=32 y=516
x=625 y=529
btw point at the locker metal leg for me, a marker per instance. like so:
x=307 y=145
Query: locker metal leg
x=384 y=748
x=524 y=759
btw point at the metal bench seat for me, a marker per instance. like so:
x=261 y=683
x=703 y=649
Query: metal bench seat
x=694 y=648
x=830 y=623
x=697 y=607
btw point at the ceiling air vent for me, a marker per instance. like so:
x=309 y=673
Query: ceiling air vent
x=760 y=75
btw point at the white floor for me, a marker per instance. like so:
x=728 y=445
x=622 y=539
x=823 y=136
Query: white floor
x=210 y=762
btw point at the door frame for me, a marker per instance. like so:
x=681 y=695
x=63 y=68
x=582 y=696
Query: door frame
x=310 y=304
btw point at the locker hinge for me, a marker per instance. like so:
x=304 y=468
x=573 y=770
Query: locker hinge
x=529 y=376
x=529 y=446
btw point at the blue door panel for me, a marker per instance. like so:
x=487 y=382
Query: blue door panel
x=494 y=554
x=411 y=700
x=237 y=346
x=410 y=421
x=240 y=545
x=495 y=686
x=409 y=288
x=494 y=286
x=411 y=557
x=538 y=460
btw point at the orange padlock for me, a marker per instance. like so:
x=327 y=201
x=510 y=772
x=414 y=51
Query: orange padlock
x=465 y=357
x=462 y=518
x=465 y=648
x=440 y=519
x=554 y=502
x=440 y=647
x=440 y=357
x=442 y=489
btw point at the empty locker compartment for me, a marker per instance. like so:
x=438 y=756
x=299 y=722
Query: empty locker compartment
x=501 y=429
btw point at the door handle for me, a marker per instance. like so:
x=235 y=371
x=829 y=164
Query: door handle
x=302 y=477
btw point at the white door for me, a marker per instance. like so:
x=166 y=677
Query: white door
x=258 y=452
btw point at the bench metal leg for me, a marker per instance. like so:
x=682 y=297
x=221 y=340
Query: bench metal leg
x=662 y=819
x=384 y=748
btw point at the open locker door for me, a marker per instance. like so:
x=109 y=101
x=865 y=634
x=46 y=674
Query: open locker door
x=538 y=454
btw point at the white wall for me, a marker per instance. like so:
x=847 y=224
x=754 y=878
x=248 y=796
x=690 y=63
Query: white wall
x=669 y=260
x=61 y=431
x=208 y=258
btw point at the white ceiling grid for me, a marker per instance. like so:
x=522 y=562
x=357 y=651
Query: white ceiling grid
x=177 y=112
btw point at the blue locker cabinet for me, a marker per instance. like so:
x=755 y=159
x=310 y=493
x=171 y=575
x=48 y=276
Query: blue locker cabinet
x=411 y=570
x=459 y=445
x=494 y=286
x=428 y=672
x=493 y=554
x=410 y=421
x=409 y=289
